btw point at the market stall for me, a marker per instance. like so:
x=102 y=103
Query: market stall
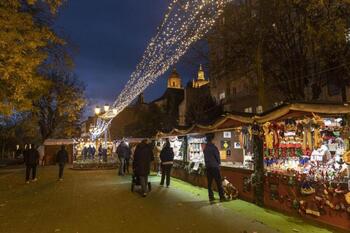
x=235 y=151
x=52 y=146
x=307 y=170
x=304 y=158
x=97 y=154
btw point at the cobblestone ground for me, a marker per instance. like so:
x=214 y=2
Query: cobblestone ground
x=101 y=202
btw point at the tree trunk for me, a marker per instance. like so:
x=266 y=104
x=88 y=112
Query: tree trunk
x=260 y=76
x=343 y=93
x=258 y=170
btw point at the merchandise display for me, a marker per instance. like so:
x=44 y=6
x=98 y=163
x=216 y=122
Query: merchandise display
x=177 y=144
x=195 y=149
x=307 y=159
x=312 y=147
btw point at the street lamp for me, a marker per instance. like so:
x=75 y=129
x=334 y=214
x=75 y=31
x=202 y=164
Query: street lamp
x=97 y=110
x=115 y=111
x=106 y=107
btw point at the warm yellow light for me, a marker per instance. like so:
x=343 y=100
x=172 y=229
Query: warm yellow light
x=97 y=110
x=106 y=107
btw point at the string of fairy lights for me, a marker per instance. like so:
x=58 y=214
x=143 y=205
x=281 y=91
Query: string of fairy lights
x=185 y=22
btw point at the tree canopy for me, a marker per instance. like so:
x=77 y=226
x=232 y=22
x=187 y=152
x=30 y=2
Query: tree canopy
x=289 y=44
x=23 y=39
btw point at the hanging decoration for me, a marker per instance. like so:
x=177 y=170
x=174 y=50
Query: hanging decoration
x=185 y=22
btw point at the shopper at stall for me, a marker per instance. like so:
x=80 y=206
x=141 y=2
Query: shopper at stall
x=89 y=151
x=143 y=158
x=104 y=154
x=31 y=160
x=127 y=160
x=93 y=152
x=123 y=152
x=100 y=153
x=84 y=152
x=167 y=160
x=212 y=164
x=157 y=163
x=61 y=159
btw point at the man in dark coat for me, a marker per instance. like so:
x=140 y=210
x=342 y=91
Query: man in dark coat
x=100 y=150
x=127 y=160
x=104 y=154
x=212 y=164
x=61 y=159
x=90 y=151
x=143 y=157
x=31 y=160
x=167 y=160
x=123 y=152
x=93 y=152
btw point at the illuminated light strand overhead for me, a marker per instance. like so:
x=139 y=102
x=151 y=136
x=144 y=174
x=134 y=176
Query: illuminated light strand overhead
x=184 y=23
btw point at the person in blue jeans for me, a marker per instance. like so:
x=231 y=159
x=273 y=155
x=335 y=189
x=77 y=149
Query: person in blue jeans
x=123 y=152
x=212 y=163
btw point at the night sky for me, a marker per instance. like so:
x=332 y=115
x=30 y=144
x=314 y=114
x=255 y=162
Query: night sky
x=111 y=36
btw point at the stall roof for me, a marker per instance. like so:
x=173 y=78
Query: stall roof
x=298 y=110
x=232 y=121
x=50 y=142
x=228 y=121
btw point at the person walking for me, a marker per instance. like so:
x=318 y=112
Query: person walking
x=31 y=160
x=127 y=161
x=61 y=159
x=93 y=152
x=123 y=152
x=212 y=164
x=143 y=158
x=167 y=160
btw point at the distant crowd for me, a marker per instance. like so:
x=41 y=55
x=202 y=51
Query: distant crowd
x=142 y=157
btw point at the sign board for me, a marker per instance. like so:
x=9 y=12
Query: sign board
x=227 y=134
x=225 y=144
x=223 y=154
x=237 y=145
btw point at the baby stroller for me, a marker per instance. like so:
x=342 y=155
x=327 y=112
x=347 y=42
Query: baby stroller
x=136 y=182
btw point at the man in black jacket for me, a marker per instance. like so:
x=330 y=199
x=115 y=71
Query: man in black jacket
x=212 y=164
x=31 y=160
x=167 y=160
x=61 y=159
x=143 y=157
x=123 y=152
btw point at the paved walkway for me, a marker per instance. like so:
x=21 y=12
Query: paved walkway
x=101 y=202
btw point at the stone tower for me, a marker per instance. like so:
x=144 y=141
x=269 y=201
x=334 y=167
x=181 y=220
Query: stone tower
x=174 y=80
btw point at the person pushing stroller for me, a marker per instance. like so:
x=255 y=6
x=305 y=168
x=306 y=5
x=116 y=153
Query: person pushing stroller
x=143 y=158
